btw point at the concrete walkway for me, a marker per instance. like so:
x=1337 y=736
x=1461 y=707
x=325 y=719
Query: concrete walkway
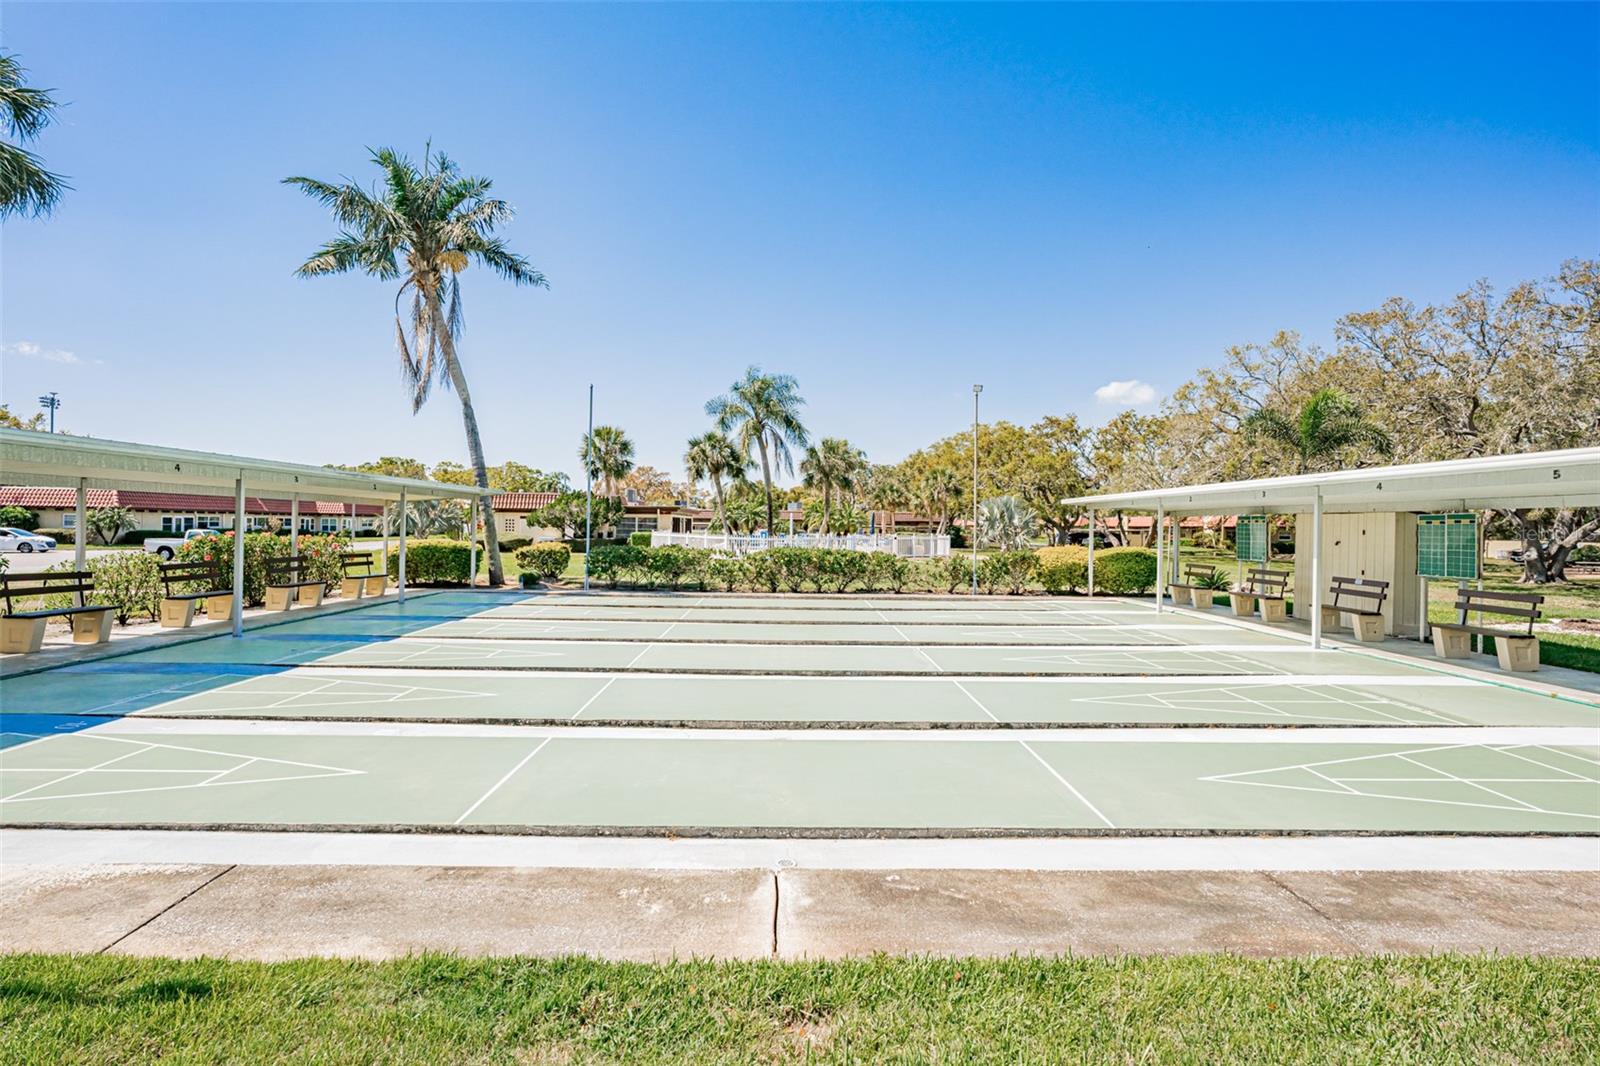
x=281 y=912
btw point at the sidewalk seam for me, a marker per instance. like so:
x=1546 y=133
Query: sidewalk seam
x=1333 y=923
x=776 y=882
x=181 y=899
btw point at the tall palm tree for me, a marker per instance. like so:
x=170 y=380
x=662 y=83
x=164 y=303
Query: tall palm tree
x=423 y=228
x=607 y=456
x=26 y=187
x=764 y=409
x=713 y=456
x=1327 y=424
x=831 y=464
x=936 y=491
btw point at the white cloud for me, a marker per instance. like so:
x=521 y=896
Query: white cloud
x=1125 y=393
x=30 y=350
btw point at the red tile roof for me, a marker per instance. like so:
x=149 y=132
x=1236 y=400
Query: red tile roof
x=522 y=501
x=43 y=497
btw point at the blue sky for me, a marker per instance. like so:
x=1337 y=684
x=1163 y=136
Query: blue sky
x=887 y=202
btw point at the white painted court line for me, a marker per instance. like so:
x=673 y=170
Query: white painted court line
x=1079 y=796
x=588 y=702
x=1424 y=680
x=30 y=847
x=509 y=773
x=534 y=642
x=1427 y=736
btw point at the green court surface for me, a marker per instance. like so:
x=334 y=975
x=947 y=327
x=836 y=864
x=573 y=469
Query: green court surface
x=815 y=715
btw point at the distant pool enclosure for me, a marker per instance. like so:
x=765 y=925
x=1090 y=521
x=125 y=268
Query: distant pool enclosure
x=905 y=545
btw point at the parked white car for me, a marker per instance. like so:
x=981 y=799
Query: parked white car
x=167 y=547
x=20 y=540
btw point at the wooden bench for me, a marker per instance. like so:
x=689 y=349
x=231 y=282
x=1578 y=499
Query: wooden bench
x=288 y=584
x=1516 y=651
x=370 y=582
x=178 y=605
x=22 y=632
x=1366 y=614
x=1193 y=588
x=1266 y=587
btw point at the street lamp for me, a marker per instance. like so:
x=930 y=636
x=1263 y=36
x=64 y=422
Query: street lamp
x=50 y=402
x=975 y=390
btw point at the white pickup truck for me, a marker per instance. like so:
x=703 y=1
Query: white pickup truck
x=167 y=547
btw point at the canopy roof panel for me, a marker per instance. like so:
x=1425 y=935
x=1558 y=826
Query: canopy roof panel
x=28 y=457
x=1569 y=478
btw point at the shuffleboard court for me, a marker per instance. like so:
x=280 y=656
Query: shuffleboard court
x=128 y=773
x=279 y=649
x=1159 y=634
x=317 y=692
x=697 y=713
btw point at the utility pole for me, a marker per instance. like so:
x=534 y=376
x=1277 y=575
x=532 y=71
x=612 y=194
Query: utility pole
x=975 y=390
x=50 y=402
x=588 y=490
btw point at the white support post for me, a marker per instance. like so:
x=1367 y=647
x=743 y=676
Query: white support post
x=294 y=524
x=1160 y=539
x=1316 y=571
x=401 y=584
x=1174 y=573
x=1091 y=553
x=80 y=538
x=472 y=543
x=1422 y=609
x=238 y=555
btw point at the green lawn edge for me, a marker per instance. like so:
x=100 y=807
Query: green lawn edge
x=430 y=1008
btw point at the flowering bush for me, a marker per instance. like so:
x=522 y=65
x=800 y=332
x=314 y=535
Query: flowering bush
x=321 y=550
x=218 y=551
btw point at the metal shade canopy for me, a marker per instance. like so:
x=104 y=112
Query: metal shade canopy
x=1567 y=478
x=28 y=457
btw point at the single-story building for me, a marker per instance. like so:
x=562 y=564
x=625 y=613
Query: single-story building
x=511 y=510
x=175 y=512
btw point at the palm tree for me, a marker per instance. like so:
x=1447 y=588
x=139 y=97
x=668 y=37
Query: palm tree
x=26 y=187
x=1327 y=424
x=744 y=514
x=765 y=410
x=936 y=490
x=437 y=221
x=831 y=464
x=607 y=456
x=1006 y=522
x=711 y=455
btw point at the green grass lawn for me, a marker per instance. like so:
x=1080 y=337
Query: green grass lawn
x=431 y=1009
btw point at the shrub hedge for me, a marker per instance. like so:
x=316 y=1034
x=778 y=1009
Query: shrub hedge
x=433 y=561
x=1117 y=571
x=1064 y=568
x=639 y=538
x=545 y=561
x=21 y=517
x=1124 y=571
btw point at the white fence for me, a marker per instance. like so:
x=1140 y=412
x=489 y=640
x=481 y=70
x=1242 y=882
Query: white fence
x=906 y=545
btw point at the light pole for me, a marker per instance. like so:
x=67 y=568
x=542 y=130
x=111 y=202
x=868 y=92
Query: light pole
x=975 y=390
x=50 y=402
x=588 y=490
